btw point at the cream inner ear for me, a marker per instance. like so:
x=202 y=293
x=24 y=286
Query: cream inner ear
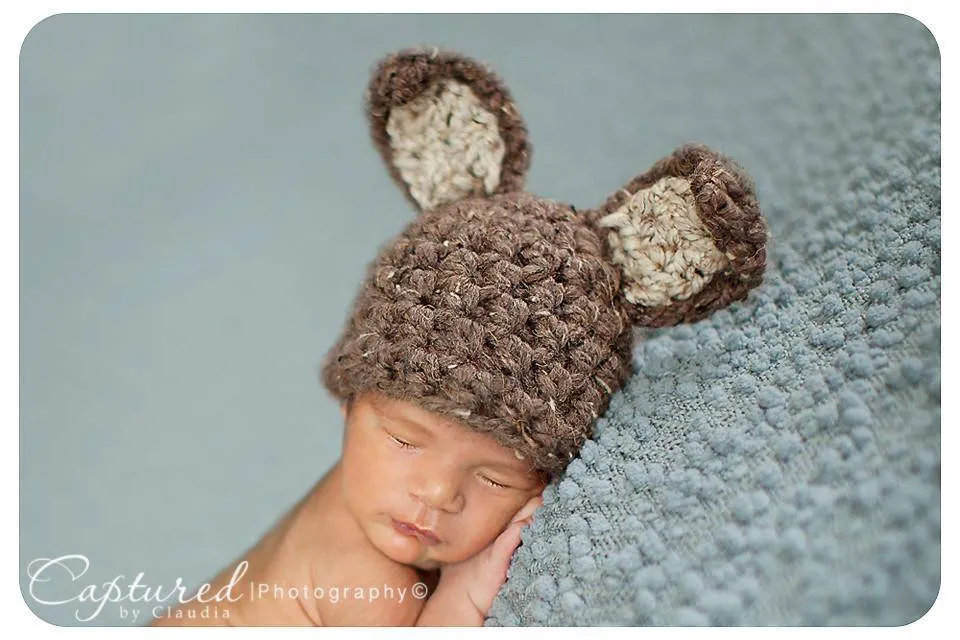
x=446 y=145
x=665 y=251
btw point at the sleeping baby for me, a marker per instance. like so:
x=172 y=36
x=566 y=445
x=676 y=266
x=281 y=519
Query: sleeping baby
x=484 y=343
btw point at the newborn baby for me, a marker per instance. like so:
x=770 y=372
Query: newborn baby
x=412 y=492
x=484 y=343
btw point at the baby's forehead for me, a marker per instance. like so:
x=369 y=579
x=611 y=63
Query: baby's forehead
x=428 y=423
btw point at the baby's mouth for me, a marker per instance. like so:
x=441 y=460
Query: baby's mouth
x=409 y=529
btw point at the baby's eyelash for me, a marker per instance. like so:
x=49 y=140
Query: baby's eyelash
x=402 y=443
x=493 y=483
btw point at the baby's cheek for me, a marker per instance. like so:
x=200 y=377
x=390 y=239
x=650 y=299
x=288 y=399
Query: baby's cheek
x=475 y=531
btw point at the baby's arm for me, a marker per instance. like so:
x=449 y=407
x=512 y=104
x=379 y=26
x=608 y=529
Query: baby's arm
x=448 y=608
x=467 y=589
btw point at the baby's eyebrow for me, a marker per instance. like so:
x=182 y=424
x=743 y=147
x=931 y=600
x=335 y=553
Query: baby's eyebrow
x=428 y=431
x=419 y=425
x=411 y=424
x=505 y=468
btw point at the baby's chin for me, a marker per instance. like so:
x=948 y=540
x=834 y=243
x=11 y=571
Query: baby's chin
x=428 y=564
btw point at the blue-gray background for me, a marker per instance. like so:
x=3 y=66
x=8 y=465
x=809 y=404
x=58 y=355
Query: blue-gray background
x=199 y=199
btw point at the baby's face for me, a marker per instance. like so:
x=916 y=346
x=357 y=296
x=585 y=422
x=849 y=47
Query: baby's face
x=402 y=464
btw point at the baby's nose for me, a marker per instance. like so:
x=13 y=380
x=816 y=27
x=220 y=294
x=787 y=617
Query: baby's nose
x=438 y=492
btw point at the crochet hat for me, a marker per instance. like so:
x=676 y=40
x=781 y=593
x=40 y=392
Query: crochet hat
x=510 y=313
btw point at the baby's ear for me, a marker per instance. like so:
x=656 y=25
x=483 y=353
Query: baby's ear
x=526 y=511
x=446 y=127
x=687 y=236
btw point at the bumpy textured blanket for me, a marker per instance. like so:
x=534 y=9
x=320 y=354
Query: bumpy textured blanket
x=778 y=463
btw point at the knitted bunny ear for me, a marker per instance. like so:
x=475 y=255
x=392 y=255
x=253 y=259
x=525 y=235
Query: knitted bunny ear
x=687 y=235
x=446 y=127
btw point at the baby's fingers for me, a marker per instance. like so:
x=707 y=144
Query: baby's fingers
x=492 y=572
x=505 y=544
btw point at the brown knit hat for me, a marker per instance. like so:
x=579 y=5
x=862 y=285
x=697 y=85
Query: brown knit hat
x=510 y=313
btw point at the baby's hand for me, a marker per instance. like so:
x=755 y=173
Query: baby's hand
x=479 y=578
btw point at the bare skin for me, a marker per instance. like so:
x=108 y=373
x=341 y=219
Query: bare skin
x=399 y=464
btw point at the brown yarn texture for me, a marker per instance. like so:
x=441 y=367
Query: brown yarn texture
x=403 y=76
x=728 y=207
x=503 y=312
x=500 y=313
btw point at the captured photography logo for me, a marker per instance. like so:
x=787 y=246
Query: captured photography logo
x=59 y=582
x=135 y=601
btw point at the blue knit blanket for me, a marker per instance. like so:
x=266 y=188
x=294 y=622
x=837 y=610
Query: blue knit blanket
x=778 y=463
